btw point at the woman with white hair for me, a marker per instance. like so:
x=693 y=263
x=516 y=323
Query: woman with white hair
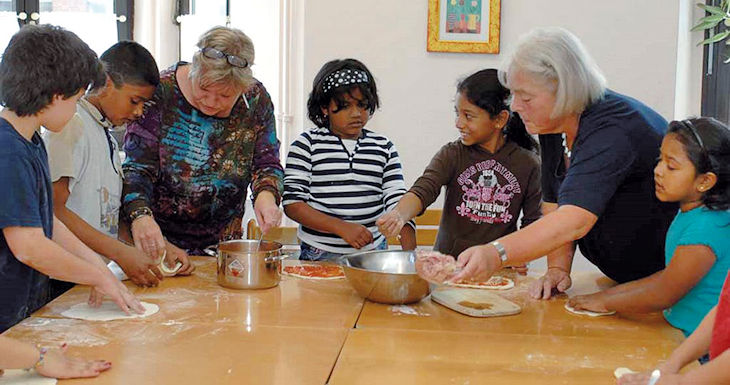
x=598 y=150
x=207 y=134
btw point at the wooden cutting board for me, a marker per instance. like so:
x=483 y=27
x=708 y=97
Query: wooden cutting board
x=474 y=302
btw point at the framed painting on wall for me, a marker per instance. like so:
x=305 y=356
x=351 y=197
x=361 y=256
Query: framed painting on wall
x=470 y=26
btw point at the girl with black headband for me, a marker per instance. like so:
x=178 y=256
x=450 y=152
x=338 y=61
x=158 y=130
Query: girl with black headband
x=340 y=177
x=491 y=173
x=693 y=170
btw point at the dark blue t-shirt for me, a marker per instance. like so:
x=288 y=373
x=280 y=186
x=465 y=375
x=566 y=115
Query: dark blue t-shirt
x=26 y=201
x=611 y=174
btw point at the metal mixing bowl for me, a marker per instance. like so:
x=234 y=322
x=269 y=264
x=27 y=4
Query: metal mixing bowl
x=385 y=276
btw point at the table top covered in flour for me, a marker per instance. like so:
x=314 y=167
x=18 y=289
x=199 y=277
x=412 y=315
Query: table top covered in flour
x=316 y=332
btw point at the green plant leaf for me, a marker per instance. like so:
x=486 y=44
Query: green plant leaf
x=705 y=25
x=712 y=18
x=707 y=22
x=711 y=9
x=715 y=38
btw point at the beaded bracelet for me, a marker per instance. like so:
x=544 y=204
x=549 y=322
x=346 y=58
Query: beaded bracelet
x=42 y=355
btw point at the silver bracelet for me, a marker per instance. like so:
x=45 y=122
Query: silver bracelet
x=501 y=251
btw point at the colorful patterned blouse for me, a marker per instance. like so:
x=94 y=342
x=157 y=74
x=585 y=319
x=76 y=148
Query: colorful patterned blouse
x=193 y=170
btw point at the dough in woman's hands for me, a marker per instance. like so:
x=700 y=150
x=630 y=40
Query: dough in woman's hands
x=24 y=377
x=587 y=312
x=106 y=312
x=621 y=371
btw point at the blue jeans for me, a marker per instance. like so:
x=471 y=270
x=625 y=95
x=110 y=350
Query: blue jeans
x=311 y=253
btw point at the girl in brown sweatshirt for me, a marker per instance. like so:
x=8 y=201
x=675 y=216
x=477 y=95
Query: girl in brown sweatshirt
x=491 y=173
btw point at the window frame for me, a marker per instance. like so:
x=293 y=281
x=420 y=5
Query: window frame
x=716 y=76
x=121 y=8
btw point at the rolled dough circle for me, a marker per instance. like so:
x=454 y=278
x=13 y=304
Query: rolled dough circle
x=106 y=312
x=587 y=312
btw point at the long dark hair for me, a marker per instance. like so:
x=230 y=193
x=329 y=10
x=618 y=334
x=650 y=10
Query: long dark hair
x=707 y=143
x=319 y=98
x=484 y=90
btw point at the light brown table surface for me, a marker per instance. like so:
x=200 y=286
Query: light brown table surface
x=426 y=343
x=397 y=356
x=304 y=331
x=198 y=298
x=538 y=317
x=191 y=352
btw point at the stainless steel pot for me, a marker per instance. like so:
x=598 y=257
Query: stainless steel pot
x=248 y=264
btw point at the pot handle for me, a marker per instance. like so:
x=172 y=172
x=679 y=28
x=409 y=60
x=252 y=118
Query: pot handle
x=276 y=258
x=211 y=250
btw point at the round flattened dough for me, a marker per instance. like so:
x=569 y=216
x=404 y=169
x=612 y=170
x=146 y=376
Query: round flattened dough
x=586 y=312
x=24 y=377
x=621 y=371
x=106 y=312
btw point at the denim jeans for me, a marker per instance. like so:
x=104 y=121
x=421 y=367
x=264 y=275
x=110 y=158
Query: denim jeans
x=311 y=253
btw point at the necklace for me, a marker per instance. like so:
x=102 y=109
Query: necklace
x=565 y=145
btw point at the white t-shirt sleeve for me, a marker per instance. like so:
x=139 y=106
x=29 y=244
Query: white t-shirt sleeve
x=67 y=151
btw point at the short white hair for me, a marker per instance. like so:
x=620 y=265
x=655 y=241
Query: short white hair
x=558 y=58
x=216 y=71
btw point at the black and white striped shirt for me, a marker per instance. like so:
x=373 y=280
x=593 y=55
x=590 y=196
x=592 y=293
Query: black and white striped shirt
x=356 y=187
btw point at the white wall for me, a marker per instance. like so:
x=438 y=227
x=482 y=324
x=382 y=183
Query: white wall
x=155 y=29
x=634 y=42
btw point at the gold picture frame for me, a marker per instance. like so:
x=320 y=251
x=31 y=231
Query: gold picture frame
x=467 y=26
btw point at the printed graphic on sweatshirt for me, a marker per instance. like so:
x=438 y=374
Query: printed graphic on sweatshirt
x=487 y=192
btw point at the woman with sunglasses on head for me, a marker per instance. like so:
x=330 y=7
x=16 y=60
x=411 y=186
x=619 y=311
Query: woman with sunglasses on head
x=598 y=150
x=208 y=132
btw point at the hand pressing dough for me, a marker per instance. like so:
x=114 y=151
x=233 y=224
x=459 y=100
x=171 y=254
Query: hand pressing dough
x=166 y=271
x=106 y=312
x=621 y=371
x=587 y=312
x=24 y=377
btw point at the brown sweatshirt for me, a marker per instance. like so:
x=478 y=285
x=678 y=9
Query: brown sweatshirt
x=484 y=193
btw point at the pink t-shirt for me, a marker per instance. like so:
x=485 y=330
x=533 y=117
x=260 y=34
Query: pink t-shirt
x=721 y=330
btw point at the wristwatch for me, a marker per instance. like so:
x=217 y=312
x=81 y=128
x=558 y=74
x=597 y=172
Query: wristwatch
x=501 y=251
x=139 y=212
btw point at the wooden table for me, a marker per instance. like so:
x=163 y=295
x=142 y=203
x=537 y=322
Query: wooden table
x=198 y=298
x=426 y=343
x=191 y=352
x=311 y=332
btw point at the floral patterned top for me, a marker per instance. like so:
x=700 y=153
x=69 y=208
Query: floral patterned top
x=194 y=170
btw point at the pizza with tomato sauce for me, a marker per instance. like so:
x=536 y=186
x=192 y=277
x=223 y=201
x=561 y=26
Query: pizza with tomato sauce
x=315 y=271
x=493 y=283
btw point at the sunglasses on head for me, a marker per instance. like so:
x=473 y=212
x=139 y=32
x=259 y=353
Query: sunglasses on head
x=233 y=60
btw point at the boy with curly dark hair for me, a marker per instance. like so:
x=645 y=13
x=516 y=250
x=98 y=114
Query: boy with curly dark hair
x=43 y=73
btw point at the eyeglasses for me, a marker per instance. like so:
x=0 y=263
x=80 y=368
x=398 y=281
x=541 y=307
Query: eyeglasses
x=233 y=60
